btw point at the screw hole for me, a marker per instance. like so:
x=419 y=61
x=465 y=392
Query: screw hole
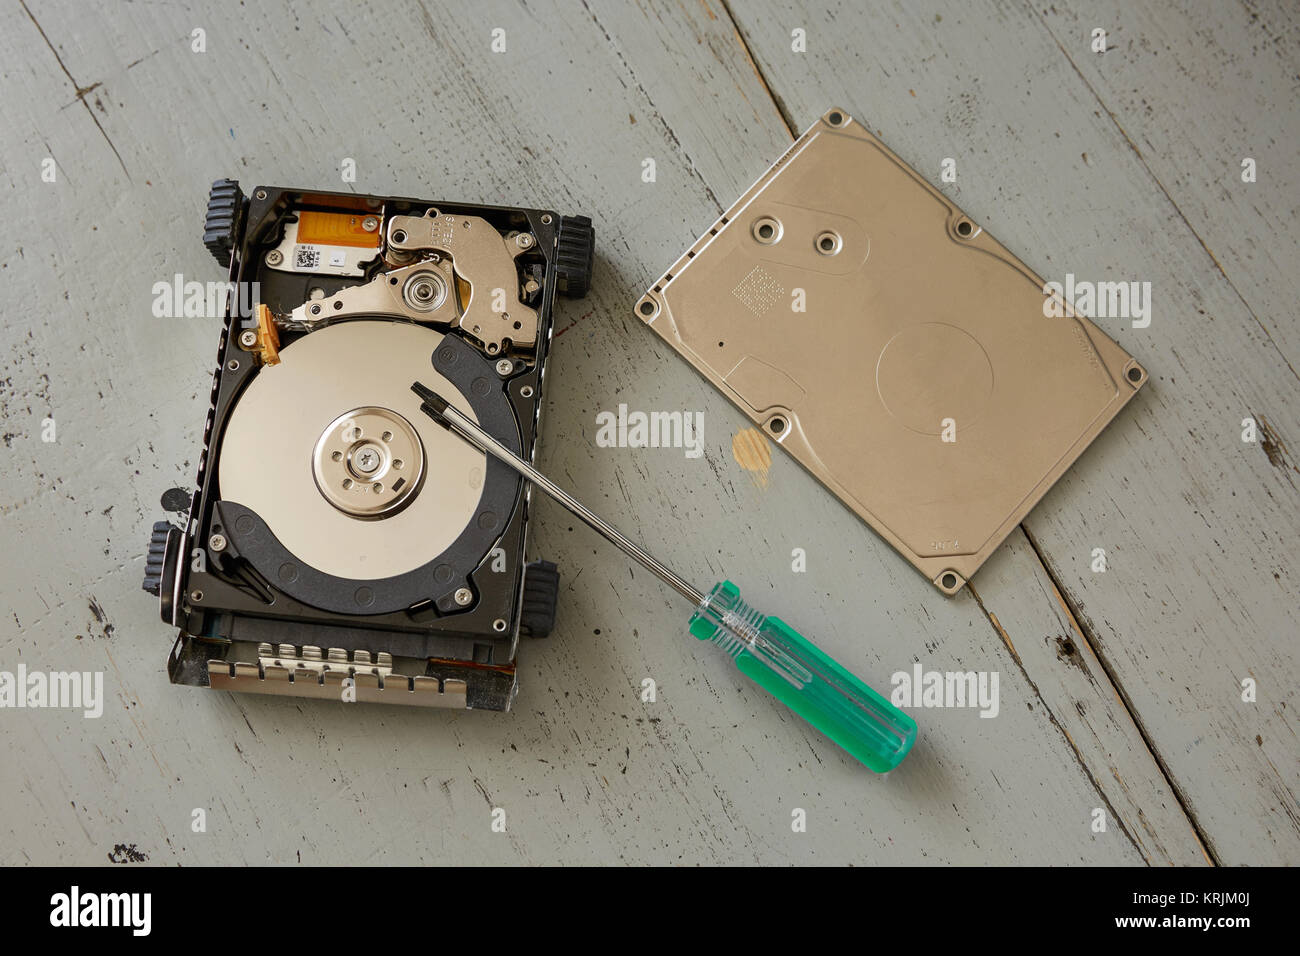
x=647 y=307
x=828 y=243
x=964 y=228
x=835 y=118
x=399 y=236
x=767 y=230
x=776 y=425
x=1135 y=374
x=949 y=581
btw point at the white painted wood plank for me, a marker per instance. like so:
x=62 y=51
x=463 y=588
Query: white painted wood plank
x=1200 y=528
x=1072 y=683
x=1196 y=89
x=586 y=772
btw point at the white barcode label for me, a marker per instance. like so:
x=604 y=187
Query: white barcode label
x=306 y=257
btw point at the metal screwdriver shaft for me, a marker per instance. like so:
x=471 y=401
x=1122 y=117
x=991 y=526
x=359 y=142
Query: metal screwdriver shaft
x=469 y=430
x=765 y=649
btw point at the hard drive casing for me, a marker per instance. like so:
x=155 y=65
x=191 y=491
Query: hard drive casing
x=923 y=382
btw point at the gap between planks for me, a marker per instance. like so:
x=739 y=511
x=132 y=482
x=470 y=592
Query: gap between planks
x=1068 y=604
x=1142 y=161
x=1071 y=609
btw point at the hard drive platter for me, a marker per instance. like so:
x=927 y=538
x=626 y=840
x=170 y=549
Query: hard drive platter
x=328 y=449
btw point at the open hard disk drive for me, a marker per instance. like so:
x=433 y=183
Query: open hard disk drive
x=340 y=544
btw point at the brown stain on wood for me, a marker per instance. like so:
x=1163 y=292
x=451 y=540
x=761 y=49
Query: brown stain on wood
x=753 y=452
x=1274 y=447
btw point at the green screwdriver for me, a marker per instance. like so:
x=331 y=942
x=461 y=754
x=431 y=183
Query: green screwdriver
x=766 y=649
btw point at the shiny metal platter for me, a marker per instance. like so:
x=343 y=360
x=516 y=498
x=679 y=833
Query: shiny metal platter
x=318 y=444
x=893 y=347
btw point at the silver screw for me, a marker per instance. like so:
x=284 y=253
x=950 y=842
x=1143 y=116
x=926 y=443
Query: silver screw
x=248 y=339
x=524 y=241
x=217 y=542
x=370 y=224
x=274 y=257
x=367 y=460
x=463 y=596
x=260 y=194
x=505 y=367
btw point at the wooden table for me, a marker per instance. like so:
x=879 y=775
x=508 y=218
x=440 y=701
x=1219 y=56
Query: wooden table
x=1121 y=692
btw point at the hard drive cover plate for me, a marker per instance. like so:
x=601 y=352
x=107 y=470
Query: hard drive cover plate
x=917 y=316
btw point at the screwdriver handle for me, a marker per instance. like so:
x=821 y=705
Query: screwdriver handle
x=777 y=658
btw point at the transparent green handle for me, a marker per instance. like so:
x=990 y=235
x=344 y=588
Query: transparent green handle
x=773 y=655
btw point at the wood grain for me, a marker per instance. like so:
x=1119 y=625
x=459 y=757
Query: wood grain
x=587 y=772
x=1200 y=528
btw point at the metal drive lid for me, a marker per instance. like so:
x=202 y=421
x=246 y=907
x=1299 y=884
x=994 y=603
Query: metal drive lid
x=892 y=347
